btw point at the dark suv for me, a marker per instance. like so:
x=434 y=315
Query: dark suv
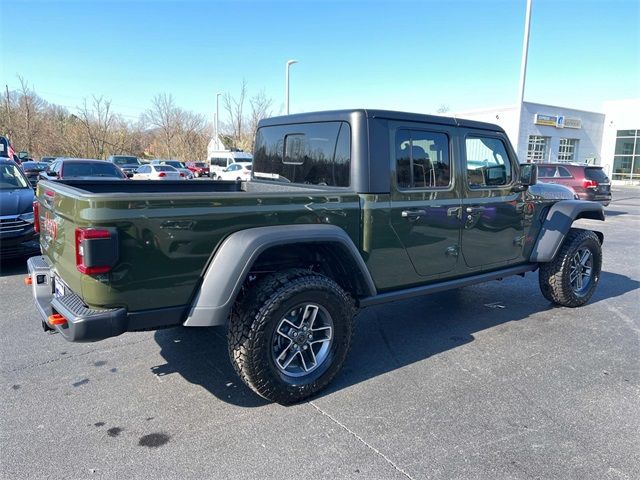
x=589 y=182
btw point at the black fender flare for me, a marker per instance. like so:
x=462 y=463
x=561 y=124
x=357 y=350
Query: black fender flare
x=557 y=224
x=234 y=258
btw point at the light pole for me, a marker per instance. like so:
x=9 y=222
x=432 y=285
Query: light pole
x=523 y=71
x=286 y=89
x=218 y=119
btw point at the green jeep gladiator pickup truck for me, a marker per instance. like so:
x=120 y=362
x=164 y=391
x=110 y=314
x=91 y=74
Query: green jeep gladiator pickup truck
x=345 y=209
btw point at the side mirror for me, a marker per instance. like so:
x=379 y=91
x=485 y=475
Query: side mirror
x=129 y=174
x=528 y=174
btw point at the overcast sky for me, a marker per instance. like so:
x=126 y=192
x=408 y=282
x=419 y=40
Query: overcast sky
x=400 y=55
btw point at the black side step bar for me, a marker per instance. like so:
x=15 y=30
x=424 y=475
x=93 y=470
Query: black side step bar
x=448 y=285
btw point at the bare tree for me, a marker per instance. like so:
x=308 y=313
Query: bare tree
x=260 y=108
x=442 y=109
x=165 y=116
x=234 y=107
x=98 y=121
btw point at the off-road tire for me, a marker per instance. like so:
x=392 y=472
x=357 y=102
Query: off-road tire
x=554 y=276
x=255 y=317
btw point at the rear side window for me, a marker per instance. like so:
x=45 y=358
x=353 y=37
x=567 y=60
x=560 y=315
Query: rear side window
x=488 y=164
x=308 y=153
x=422 y=159
x=597 y=174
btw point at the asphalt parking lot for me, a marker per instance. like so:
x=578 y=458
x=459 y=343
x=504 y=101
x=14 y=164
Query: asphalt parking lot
x=489 y=382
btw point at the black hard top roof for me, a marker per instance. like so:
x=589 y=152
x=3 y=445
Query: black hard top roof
x=386 y=114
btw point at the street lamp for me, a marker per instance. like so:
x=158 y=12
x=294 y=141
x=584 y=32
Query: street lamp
x=286 y=90
x=523 y=74
x=218 y=119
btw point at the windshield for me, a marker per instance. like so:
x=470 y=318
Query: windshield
x=11 y=177
x=200 y=164
x=126 y=160
x=92 y=169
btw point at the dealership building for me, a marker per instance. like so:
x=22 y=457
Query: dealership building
x=549 y=133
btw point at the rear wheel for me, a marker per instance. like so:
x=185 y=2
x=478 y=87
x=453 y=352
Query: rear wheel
x=572 y=276
x=290 y=335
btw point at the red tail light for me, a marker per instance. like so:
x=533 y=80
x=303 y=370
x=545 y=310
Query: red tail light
x=589 y=184
x=36 y=216
x=162 y=174
x=182 y=174
x=83 y=236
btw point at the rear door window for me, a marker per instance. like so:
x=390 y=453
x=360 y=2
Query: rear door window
x=422 y=159
x=564 y=173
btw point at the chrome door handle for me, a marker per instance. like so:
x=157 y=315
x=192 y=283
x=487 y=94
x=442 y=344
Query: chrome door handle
x=471 y=210
x=413 y=213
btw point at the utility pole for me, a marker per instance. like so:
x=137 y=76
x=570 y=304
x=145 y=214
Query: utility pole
x=523 y=70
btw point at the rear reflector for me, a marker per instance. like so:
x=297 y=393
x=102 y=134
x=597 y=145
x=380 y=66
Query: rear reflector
x=56 y=319
x=36 y=216
x=28 y=281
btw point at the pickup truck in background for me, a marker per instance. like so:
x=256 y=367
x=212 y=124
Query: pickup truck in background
x=346 y=209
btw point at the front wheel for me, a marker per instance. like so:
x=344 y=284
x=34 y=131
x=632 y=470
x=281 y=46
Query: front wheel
x=289 y=336
x=571 y=278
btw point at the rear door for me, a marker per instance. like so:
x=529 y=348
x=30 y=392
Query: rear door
x=425 y=206
x=493 y=231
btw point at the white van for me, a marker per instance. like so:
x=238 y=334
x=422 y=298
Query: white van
x=222 y=159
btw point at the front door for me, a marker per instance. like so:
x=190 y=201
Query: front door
x=492 y=212
x=425 y=205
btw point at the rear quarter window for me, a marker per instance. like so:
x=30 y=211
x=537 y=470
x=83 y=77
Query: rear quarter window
x=309 y=153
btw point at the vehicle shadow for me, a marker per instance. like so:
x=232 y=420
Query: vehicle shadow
x=388 y=337
x=13 y=266
x=614 y=213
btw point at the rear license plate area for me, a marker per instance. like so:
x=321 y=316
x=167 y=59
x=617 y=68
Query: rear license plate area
x=59 y=288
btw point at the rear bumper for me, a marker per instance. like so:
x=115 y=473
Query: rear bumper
x=603 y=198
x=85 y=324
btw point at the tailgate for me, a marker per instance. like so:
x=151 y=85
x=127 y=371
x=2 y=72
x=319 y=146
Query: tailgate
x=57 y=231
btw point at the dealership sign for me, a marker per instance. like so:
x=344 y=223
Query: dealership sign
x=558 y=121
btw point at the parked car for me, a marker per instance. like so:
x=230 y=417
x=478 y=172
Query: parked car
x=18 y=236
x=181 y=167
x=128 y=163
x=64 y=168
x=589 y=182
x=157 y=172
x=286 y=266
x=47 y=159
x=236 y=171
x=220 y=160
x=199 y=169
x=32 y=170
